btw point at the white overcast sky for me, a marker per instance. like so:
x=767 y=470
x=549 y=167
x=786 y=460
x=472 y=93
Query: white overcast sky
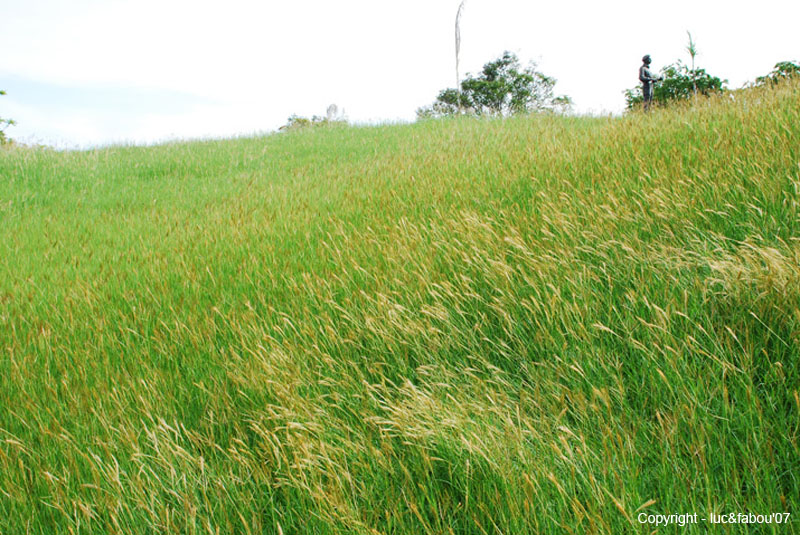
x=92 y=72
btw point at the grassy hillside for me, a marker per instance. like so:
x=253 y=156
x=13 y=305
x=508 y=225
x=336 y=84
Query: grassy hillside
x=535 y=325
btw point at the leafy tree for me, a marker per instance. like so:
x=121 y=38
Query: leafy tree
x=783 y=70
x=680 y=82
x=4 y=123
x=502 y=88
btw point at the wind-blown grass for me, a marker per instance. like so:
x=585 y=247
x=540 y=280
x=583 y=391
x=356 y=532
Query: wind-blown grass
x=534 y=325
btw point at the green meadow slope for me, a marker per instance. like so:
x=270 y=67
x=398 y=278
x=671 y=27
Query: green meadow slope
x=535 y=325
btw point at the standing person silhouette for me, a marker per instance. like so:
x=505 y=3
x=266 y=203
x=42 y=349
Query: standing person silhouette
x=648 y=81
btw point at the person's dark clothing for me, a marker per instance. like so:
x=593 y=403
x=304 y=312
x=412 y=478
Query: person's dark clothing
x=647 y=79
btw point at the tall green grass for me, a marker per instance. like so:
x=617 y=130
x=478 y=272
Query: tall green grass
x=535 y=325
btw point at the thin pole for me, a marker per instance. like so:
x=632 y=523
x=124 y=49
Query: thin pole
x=458 y=49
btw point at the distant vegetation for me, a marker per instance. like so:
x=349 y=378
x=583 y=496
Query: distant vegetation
x=680 y=82
x=332 y=117
x=784 y=70
x=4 y=123
x=544 y=324
x=502 y=88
